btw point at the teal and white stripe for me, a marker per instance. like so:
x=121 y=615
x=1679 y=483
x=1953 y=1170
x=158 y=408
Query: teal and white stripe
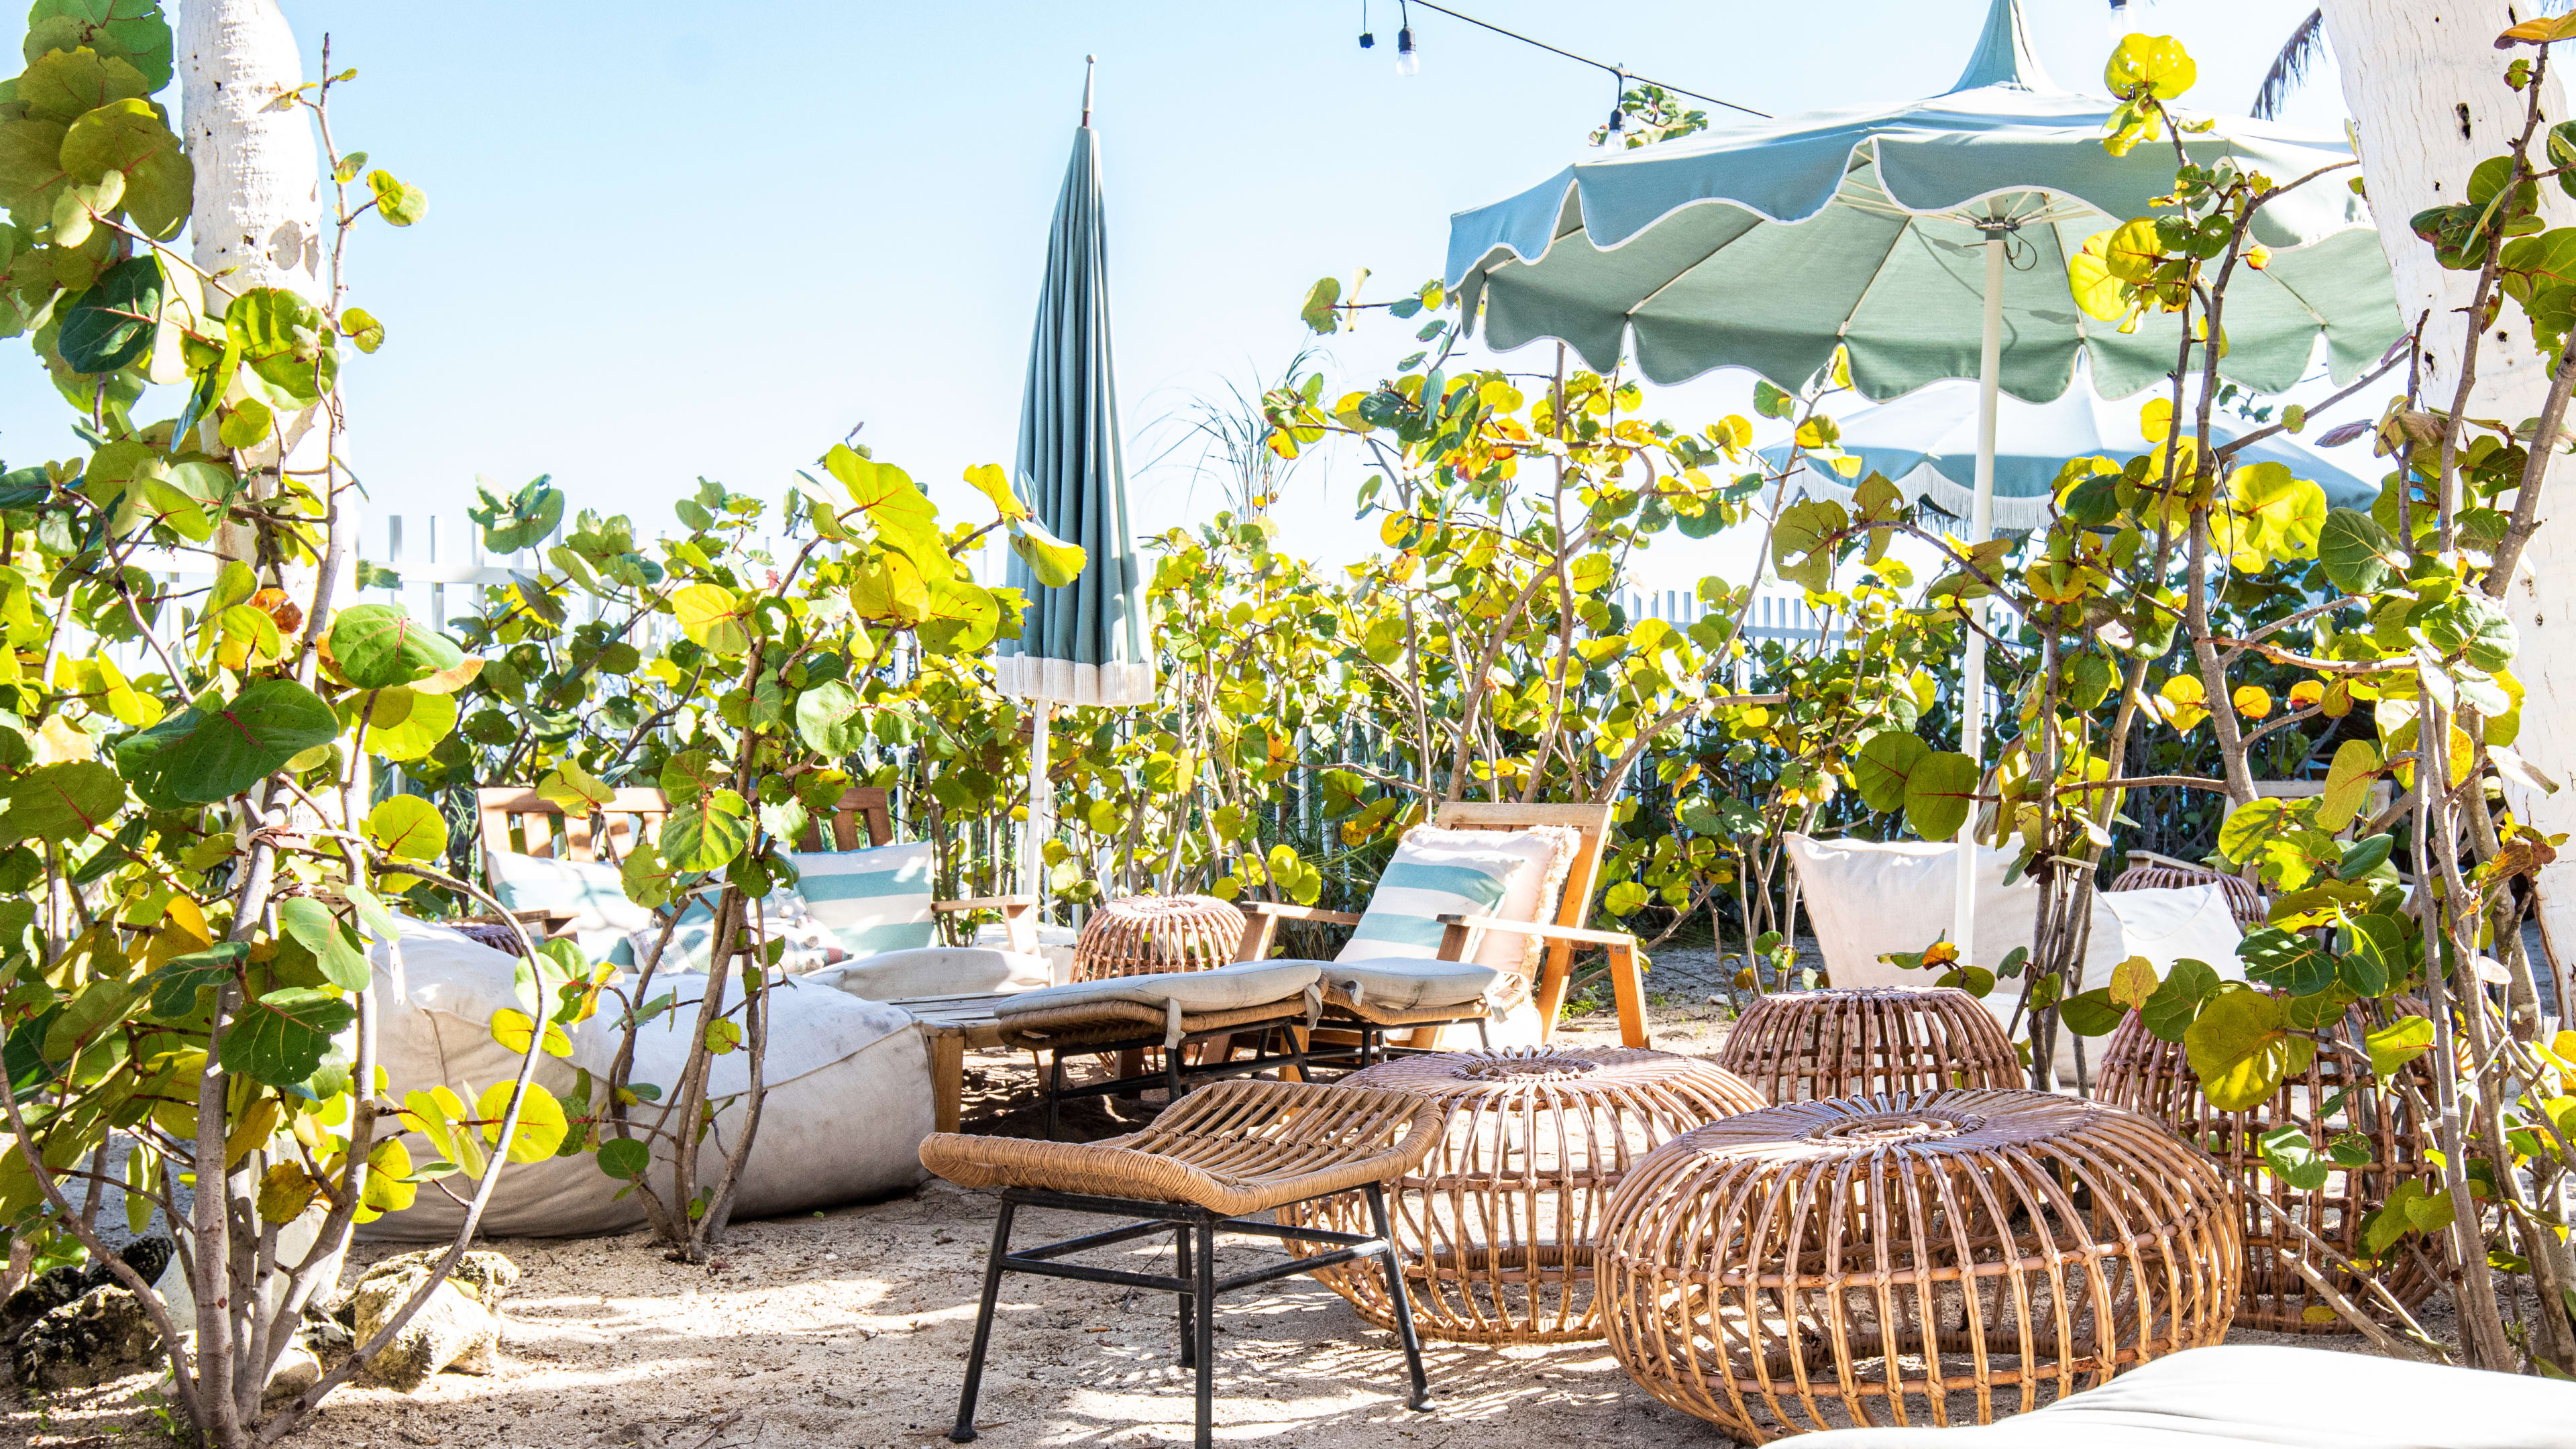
x=1421 y=885
x=870 y=900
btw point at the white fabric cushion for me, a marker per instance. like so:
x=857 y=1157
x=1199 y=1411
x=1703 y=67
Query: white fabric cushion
x=2264 y=1396
x=827 y=1051
x=2187 y=923
x=870 y=900
x=1402 y=985
x=937 y=971
x=1055 y=943
x=810 y=945
x=1227 y=988
x=1439 y=872
x=592 y=890
x=1867 y=898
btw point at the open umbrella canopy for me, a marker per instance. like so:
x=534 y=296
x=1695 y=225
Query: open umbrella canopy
x=1763 y=245
x=1926 y=444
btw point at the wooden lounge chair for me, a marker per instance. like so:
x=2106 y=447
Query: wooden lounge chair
x=1368 y=1024
x=1223 y=1159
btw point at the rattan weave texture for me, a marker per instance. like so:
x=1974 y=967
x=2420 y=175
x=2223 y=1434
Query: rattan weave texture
x=2154 y=1077
x=1865 y=1041
x=1148 y=935
x=1920 y=1259
x=1495 y=1229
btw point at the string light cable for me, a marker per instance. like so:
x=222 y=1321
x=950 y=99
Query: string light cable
x=1407 y=53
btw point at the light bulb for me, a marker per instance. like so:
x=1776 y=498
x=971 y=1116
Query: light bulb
x=2119 y=20
x=1408 y=61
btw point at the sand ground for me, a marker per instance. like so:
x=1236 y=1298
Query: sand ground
x=850 y=1329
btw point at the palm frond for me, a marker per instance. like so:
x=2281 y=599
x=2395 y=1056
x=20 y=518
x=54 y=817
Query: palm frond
x=2306 y=47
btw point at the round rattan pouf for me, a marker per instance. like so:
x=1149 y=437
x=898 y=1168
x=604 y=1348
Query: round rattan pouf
x=1149 y=935
x=1795 y=1046
x=1934 y=1258
x=1495 y=1229
x=2154 y=1077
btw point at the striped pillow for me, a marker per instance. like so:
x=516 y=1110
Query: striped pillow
x=870 y=900
x=591 y=890
x=1428 y=879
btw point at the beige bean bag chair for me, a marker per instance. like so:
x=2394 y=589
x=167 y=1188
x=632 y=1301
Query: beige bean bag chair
x=1867 y=898
x=848 y=1098
x=2247 y=1396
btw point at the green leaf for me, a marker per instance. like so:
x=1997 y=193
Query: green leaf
x=1052 y=561
x=2286 y=962
x=2178 y=999
x=128 y=138
x=1318 y=312
x=993 y=483
x=2242 y=1049
x=111 y=325
x=1883 y=767
x=712 y=618
x=407 y=827
x=827 y=719
x=312 y=926
x=1939 y=791
x=379 y=646
x=284 y=342
x=707 y=832
x=2292 y=1158
x=217 y=749
x=281 y=1038
x=625 y=1158
x=129 y=30
x=397 y=201
x=575 y=788
x=2092 y=1013
x=63 y=802
x=175 y=986
x=2398 y=1043
x=2348 y=780
x=1626 y=897
x=67 y=84
x=2357 y=553
x=403 y=724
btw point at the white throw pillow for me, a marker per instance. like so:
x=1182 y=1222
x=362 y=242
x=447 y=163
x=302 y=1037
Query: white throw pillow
x=870 y=900
x=1514 y=874
x=591 y=889
x=2187 y=923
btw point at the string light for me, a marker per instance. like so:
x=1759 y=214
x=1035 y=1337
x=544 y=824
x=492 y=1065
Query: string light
x=1618 y=100
x=1408 y=60
x=2119 y=20
x=1367 y=39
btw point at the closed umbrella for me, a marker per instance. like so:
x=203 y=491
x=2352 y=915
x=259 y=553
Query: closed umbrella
x=1084 y=643
x=1926 y=444
x=1930 y=240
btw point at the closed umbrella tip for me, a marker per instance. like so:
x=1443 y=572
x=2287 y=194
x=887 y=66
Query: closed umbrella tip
x=1090 y=63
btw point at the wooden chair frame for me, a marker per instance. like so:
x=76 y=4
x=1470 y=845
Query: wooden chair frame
x=634 y=814
x=1563 y=935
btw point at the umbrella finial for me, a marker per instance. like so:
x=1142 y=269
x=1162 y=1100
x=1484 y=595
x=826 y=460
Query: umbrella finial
x=2003 y=56
x=1090 y=63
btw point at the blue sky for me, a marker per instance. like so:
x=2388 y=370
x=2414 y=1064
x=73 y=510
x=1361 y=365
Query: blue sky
x=666 y=240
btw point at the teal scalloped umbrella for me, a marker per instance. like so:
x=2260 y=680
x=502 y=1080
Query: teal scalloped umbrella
x=1931 y=240
x=1084 y=643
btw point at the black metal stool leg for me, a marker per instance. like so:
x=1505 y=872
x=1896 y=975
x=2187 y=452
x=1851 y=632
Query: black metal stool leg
x=1189 y=1332
x=964 y=1433
x=1206 y=1325
x=1421 y=1398
x=1054 y=1090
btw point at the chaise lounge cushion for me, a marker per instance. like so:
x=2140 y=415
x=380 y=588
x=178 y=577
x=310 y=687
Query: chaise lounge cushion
x=2260 y=1396
x=1227 y=988
x=1406 y=985
x=937 y=971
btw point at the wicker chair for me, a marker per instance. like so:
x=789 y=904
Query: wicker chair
x=1210 y=1162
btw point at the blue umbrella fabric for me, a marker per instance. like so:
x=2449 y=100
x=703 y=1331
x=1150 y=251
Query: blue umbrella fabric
x=1087 y=642
x=1926 y=444
x=1767 y=244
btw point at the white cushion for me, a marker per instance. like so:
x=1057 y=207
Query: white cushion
x=1055 y=943
x=827 y=1051
x=590 y=889
x=1438 y=872
x=937 y=971
x=809 y=944
x=1227 y=988
x=1402 y=985
x=2266 y=1396
x=2187 y=923
x=870 y=900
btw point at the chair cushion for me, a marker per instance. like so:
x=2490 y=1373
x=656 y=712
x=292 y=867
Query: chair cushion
x=1515 y=874
x=1402 y=985
x=2263 y=1396
x=591 y=890
x=936 y=971
x=1227 y=988
x=870 y=900
x=2166 y=925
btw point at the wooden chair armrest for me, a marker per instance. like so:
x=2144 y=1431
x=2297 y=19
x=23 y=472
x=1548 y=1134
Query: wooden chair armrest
x=1286 y=912
x=1547 y=930
x=987 y=903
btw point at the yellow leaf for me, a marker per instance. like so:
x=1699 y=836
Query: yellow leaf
x=285 y=1191
x=2156 y=419
x=711 y=617
x=2252 y=701
x=511 y=1029
x=252 y=1132
x=2306 y=693
x=2133 y=981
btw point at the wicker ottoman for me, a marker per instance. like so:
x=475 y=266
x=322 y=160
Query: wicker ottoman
x=2153 y=1077
x=1925 y=1259
x=1146 y=935
x=1495 y=1229
x=1796 y=1046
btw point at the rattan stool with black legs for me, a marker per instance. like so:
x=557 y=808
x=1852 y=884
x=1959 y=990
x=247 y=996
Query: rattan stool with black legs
x=1209 y=1162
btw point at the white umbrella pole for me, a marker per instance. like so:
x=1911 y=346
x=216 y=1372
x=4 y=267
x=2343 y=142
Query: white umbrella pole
x=1041 y=826
x=1981 y=521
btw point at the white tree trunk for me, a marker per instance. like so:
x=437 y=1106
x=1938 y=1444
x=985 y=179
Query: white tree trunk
x=257 y=221
x=2425 y=85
